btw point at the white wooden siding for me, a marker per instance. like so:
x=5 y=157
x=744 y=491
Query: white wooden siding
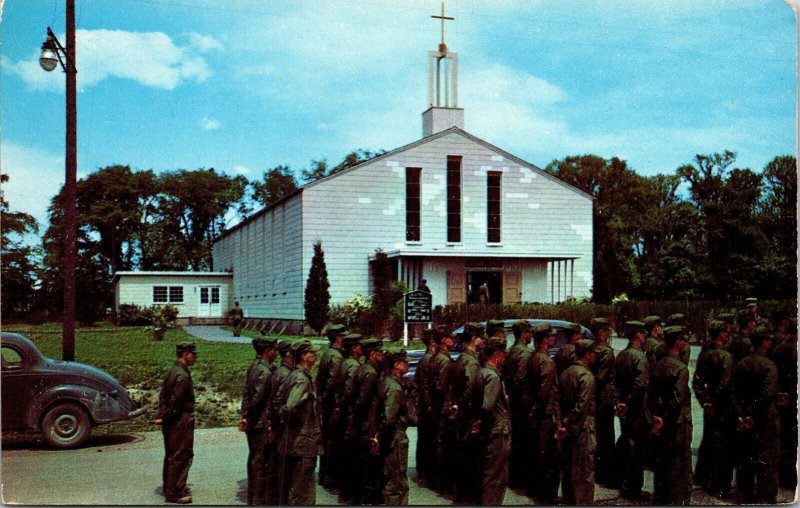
x=138 y=289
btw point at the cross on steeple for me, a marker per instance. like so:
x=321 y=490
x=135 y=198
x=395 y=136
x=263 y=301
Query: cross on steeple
x=442 y=45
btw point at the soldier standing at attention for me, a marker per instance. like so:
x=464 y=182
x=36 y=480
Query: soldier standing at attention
x=785 y=358
x=565 y=356
x=330 y=361
x=740 y=346
x=577 y=430
x=634 y=420
x=541 y=399
x=713 y=387
x=654 y=327
x=514 y=367
x=495 y=427
x=344 y=476
x=756 y=389
x=255 y=395
x=176 y=417
x=237 y=319
x=274 y=424
x=440 y=371
x=464 y=405
x=301 y=442
x=426 y=429
x=392 y=441
x=671 y=409
x=662 y=349
x=604 y=373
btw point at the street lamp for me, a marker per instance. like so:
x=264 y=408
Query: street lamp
x=52 y=53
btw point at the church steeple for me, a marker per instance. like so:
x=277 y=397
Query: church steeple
x=443 y=111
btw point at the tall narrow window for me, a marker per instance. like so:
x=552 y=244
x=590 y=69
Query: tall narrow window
x=493 y=194
x=413 y=204
x=453 y=198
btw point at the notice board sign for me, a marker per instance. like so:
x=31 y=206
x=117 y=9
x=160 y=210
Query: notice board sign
x=417 y=307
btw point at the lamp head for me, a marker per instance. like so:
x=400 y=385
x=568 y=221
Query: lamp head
x=49 y=58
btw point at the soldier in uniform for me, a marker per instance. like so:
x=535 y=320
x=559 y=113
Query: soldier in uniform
x=604 y=373
x=392 y=441
x=634 y=420
x=542 y=406
x=662 y=350
x=713 y=387
x=496 y=328
x=495 y=426
x=330 y=361
x=426 y=429
x=344 y=476
x=514 y=367
x=279 y=390
x=654 y=326
x=670 y=404
x=577 y=430
x=255 y=395
x=785 y=358
x=755 y=384
x=565 y=356
x=463 y=405
x=176 y=417
x=301 y=441
x=237 y=319
x=440 y=372
x=740 y=346
x=362 y=425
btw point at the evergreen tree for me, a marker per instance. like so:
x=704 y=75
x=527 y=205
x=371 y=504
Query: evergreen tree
x=317 y=297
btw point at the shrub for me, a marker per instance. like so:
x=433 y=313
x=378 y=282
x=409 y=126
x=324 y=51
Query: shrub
x=130 y=314
x=350 y=312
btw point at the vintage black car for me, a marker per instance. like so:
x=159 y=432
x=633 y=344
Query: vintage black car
x=60 y=400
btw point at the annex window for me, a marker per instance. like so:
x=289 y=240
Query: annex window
x=493 y=196
x=413 y=204
x=454 y=198
x=167 y=294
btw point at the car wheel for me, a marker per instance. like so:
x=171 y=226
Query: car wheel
x=66 y=426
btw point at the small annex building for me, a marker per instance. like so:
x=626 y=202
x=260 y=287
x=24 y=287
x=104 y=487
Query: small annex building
x=201 y=297
x=450 y=208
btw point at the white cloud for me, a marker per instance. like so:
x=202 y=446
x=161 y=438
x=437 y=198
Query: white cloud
x=209 y=124
x=150 y=58
x=34 y=178
x=241 y=170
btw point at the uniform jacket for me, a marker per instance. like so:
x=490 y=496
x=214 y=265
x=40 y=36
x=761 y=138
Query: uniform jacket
x=669 y=396
x=392 y=410
x=633 y=375
x=542 y=388
x=440 y=370
x=713 y=379
x=495 y=412
x=177 y=394
x=364 y=407
x=604 y=371
x=514 y=368
x=756 y=390
x=577 y=397
x=325 y=371
x=464 y=386
x=423 y=384
x=302 y=435
x=565 y=357
x=256 y=392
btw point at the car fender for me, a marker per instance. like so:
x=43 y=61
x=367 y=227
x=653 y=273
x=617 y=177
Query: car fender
x=102 y=407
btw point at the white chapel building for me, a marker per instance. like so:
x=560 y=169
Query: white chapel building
x=450 y=208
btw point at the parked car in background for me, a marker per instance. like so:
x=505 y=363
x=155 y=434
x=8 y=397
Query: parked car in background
x=60 y=400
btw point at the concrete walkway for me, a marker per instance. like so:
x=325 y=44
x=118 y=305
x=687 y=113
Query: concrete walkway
x=218 y=334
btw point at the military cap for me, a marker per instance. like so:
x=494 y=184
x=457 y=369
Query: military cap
x=371 y=344
x=584 y=346
x=304 y=346
x=652 y=321
x=473 y=329
x=351 y=339
x=715 y=326
x=334 y=331
x=631 y=327
x=520 y=327
x=543 y=330
x=494 y=326
x=759 y=335
x=743 y=317
x=494 y=344
x=752 y=302
x=393 y=357
x=573 y=328
x=727 y=318
x=284 y=347
x=676 y=320
x=185 y=347
x=600 y=323
x=442 y=330
x=428 y=334
x=673 y=333
x=260 y=344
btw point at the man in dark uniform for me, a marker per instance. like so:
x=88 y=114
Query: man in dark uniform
x=255 y=395
x=344 y=476
x=392 y=440
x=713 y=387
x=662 y=349
x=276 y=464
x=634 y=420
x=237 y=319
x=577 y=430
x=755 y=384
x=785 y=358
x=362 y=426
x=654 y=326
x=495 y=426
x=671 y=409
x=463 y=405
x=176 y=417
x=426 y=428
x=565 y=356
x=740 y=346
x=301 y=441
x=330 y=361
x=514 y=367
x=542 y=405
x=441 y=366
x=604 y=373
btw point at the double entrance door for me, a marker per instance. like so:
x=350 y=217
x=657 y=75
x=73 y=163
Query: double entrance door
x=209 y=305
x=484 y=286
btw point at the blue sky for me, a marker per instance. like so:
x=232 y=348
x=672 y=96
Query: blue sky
x=246 y=85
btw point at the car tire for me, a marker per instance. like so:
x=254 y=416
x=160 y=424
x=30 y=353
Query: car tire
x=66 y=426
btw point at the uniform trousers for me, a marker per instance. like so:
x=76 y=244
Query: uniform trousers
x=178 y=455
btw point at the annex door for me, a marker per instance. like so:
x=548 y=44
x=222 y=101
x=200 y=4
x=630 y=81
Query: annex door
x=209 y=305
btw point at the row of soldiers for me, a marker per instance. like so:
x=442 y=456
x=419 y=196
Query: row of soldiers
x=354 y=415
